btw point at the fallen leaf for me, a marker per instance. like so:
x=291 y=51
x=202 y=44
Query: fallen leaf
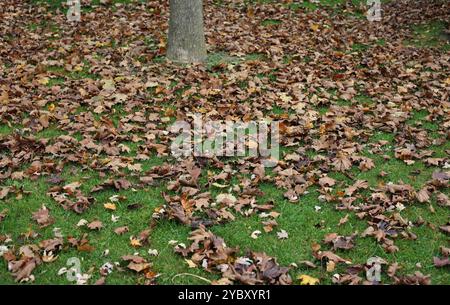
x=121 y=230
x=43 y=218
x=255 y=234
x=95 y=225
x=307 y=280
x=110 y=206
x=282 y=234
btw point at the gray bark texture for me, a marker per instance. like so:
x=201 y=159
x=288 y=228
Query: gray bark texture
x=186 y=33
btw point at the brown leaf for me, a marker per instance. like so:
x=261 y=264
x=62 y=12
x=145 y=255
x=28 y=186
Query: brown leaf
x=340 y=242
x=443 y=200
x=342 y=163
x=134 y=258
x=416 y=279
x=121 y=230
x=53 y=245
x=327 y=181
x=42 y=217
x=138 y=267
x=331 y=256
x=359 y=184
x=3 y=214
x=122 y=184
x=445 y=251
x=343 y=220
x=423 y=195
x=71 y=187
x=95 y=225
x=4 y=191
x=445 y=229
x=308 y=264
x=441 y=262
x=136 y=263
x=392 y=269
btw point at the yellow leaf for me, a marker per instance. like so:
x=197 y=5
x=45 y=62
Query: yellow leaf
x=447 y=81
x=102 y=44
x=170 y=112
x=135 y=242
x=162 y=43
x=51 y=107
x=202 y=110
x=250 y=12
x=307 y=280
x=110 y=206
x=314 y=27
x=190 y=263
x=331 y=266
x=43 y=81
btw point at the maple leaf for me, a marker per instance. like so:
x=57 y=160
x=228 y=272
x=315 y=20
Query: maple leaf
x=43 y=218
x=359 y=184
x=443 y=200
x=307 y=280
x=121 y=230
x=4 y=191
x=138 y=267
x=110 y=206
x=95 y=225
x=342 y=163
x=441 y=262
x=343 y=220
x=135 y=242
x=423 y=195
x=71 y=187
x=136 y=263
x=282 y=234
x=226 y=199
x=327 y=181
x=190 y=263
x=315 y=27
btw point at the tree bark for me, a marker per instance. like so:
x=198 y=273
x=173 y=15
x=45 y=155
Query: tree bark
x=186 y=32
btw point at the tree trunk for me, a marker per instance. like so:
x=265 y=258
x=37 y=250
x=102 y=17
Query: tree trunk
x=186 y=33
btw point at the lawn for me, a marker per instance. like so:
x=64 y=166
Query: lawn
x=84 y=113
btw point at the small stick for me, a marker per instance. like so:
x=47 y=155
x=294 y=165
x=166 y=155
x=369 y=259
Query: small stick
x=193 y=275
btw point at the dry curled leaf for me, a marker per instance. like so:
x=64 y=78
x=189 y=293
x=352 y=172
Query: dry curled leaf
x=110 y=206
x=121 y=230
x=95 y=225
x=282 y=234
x=43 y=218
x=3 y=214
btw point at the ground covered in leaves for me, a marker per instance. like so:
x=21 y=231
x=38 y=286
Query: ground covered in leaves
x=86 y=171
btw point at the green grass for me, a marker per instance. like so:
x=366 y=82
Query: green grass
x=300 y=220
x=270 y=22
x=430 y=35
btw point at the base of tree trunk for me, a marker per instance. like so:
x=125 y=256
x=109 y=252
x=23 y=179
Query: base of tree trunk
x=186 y=43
